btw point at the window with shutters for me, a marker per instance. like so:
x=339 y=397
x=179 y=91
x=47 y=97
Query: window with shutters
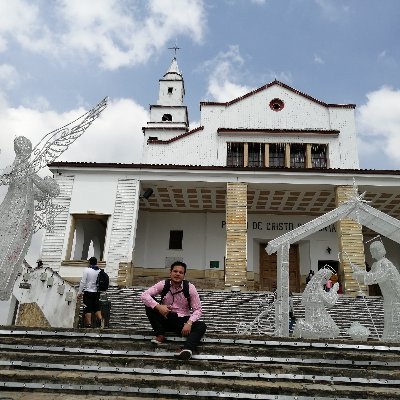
x=277 y=155
x=319 y=157
x=235 y=153
x=175 y=240
x=297 y=155
x=256 y=154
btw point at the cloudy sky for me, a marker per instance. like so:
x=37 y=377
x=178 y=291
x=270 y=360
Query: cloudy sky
x=60 y=57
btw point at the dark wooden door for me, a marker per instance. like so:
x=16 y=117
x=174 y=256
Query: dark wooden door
x=268 y=269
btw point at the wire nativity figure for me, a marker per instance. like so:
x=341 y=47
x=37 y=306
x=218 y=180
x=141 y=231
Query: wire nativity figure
x=318 y=323
x=18 y=220
x=385 y=274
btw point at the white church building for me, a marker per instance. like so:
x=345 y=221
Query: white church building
x=257 y=167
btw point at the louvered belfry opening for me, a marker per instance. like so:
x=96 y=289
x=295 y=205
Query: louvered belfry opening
x=236 y=234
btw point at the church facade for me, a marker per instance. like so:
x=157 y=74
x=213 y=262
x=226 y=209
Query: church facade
x=257 y=167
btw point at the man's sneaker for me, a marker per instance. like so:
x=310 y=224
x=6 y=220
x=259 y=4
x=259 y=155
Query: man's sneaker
x=184 y=354
x=160 y=339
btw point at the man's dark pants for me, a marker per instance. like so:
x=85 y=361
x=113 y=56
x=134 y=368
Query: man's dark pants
x=173 y=323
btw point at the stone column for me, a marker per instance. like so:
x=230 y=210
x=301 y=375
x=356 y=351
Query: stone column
x=245 y=154
x=351 y=245
x=308 y=156
x=287 y=155
x=236 y=234
x=266 y=155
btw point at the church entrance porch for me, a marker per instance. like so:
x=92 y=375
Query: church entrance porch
x=268 y=269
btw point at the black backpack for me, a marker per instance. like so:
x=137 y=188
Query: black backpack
x=185 y=290
x=103 y=281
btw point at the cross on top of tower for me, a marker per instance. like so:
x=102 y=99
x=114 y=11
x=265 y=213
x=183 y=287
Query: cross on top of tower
x=175 y=48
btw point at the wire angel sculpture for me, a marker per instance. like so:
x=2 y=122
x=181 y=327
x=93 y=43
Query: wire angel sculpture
x=18 y=220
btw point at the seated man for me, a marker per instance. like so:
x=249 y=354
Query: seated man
x=173 y=312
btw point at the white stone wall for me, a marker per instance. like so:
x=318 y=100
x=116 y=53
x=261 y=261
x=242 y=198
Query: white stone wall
x=207 y=148
x=178 y=113
x=52 y=301
x=174 y=98
x=204 y=238
x=7 y=309
x=95 y=192
x=153 y=239
x=198 y=148
x=344 y=154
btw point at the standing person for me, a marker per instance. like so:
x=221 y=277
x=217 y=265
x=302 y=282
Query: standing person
x=173 y=313
x=88 y=290
x=328 y=285
x=309 y=276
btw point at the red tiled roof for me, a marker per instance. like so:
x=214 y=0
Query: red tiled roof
x=200 y=128
x=167 y=128
x=348 y=171
x=279 y=131
x=228 y=103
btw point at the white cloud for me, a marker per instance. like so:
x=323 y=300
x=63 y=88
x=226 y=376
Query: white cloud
x=224 y=74
x=8 y=76
x=39 y=103
x=226 y=71
x=116 y=32
x=386 y=59
x=285 y=77
x=22 y=22
x=318 y=59
x=332 y=10
x=114 y=137
x=379 y=127
x=382 y=54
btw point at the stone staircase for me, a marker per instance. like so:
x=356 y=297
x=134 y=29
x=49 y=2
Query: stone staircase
x=120 y=362
x=223 y=310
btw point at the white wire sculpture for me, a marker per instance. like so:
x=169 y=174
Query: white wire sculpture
x=17 y=211
x=317 y=323
x=360 y=291
x=358 y=331
x=264 y=323
x=386 y=275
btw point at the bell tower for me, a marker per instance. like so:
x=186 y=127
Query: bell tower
x=169 y=117
x=172 y=90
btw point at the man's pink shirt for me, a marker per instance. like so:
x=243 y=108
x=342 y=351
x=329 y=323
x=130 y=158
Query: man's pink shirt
x=177 y=303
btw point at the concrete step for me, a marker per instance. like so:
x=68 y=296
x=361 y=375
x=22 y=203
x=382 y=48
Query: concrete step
x=106 y=362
